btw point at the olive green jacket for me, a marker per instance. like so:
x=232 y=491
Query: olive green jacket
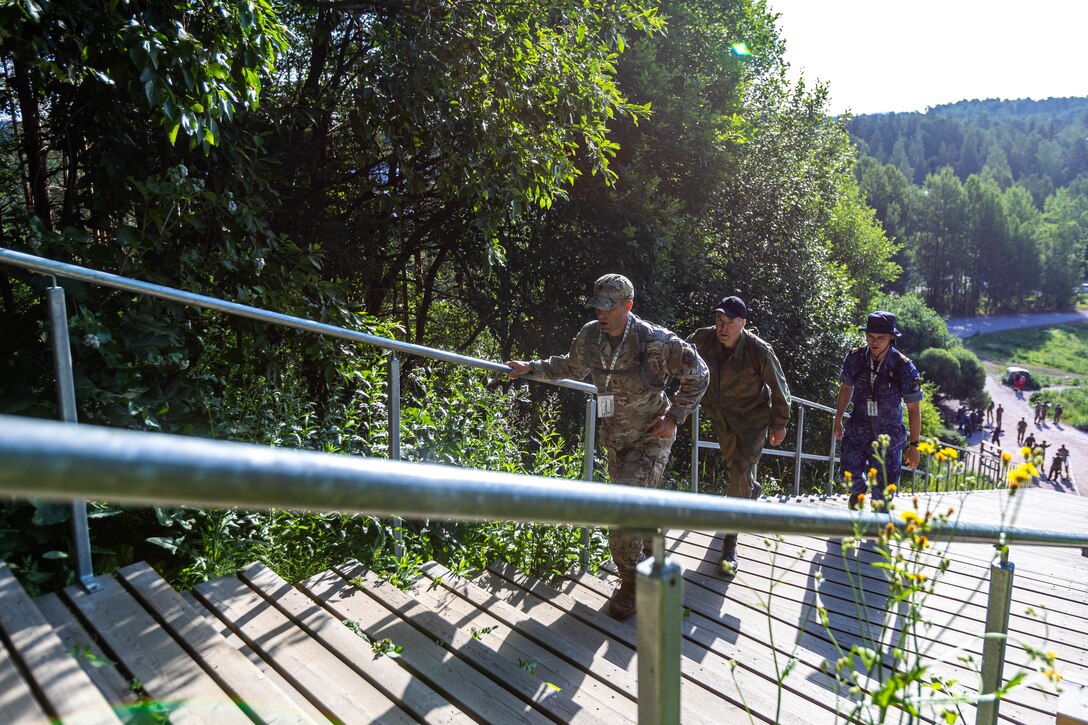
x=748 y=392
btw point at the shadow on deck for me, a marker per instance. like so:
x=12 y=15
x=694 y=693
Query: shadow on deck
x=504 y=647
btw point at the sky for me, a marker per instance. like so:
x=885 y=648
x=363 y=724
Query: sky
x=906 y=55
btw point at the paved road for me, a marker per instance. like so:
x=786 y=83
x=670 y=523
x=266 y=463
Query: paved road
x=1017 y=406
x=967 y=326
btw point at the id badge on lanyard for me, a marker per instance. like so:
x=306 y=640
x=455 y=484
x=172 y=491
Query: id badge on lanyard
x=871 y=407
x=606 y=403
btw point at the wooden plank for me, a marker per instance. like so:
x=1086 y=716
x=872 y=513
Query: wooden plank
x=437 y=656
x=596 y=661
x=548 y=665
x=844 y=626
x=384 y=673
x=166 y=672
x=224 y=630
x=952 y=622
x=948 y=613
x=258 y=697
x=330 y=685
x=67 y=690
x=17 y=703
x=115 y=687
x=709 y=683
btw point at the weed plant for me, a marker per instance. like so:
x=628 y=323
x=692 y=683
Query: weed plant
x=896 y=658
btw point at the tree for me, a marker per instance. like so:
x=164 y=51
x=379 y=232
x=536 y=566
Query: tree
x=940 y=367
x=939 y=241
x=416 y=130
x=1063 y=236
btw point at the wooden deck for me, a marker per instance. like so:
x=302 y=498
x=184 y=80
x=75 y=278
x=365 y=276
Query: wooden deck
x=503 y=647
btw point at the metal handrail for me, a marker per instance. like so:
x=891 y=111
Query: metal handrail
x=49 y=459
x=92 y=276
x=57 y=460
x=797 y=455
x=66 y=385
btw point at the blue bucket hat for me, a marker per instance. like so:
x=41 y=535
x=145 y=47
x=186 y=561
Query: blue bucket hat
x=881 y=323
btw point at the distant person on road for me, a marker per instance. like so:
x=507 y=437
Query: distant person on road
x=1056 y=464
x=1058 y=413
x=879 y=380
x=995 y=438
x=997 y=415
x=1021 y=429
x=1044 y=409
x=748 y=401
x=990 y=412
x=1030 y=441
x=1038 y=409
x=1063 y=453
x=631 y=362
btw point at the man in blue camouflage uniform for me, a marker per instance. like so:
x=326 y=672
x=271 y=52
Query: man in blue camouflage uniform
x=879 y=380
x=631 y=362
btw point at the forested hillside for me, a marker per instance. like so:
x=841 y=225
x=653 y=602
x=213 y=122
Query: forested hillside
x=454 y=174
x=989 y=199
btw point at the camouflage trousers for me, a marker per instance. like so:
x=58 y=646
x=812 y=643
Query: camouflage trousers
x=640 y=464
x=740 y=455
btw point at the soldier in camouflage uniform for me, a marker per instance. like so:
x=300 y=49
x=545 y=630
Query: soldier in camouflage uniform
x=879 y=380
x=748 y=399
x=631 y=361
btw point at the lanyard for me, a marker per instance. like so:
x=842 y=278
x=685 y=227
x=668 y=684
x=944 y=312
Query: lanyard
x=615 y=353
x=873 y=372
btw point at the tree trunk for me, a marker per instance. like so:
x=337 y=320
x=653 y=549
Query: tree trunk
x=32 y=144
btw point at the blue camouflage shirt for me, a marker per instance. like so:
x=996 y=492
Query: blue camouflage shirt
x=894 y=382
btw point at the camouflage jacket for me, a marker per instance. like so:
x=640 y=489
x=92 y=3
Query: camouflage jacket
x=748 y=392
x=639 y=385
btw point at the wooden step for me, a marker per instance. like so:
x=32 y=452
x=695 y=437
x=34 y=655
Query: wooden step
x=453 y=663
x=545 y=654
x=165 y=671
x=67 y=692
x=384 y=673
x=333 y=687
x=259 y=698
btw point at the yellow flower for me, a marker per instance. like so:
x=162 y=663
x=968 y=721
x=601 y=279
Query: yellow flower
x=847 y=475
x=950 y=453
x=872 y=473
x=1006 y=456
x=926 y=447
x=892 y=488
x=861 y=498
x=939 y=456
x=911 y=517
x=1025 y=452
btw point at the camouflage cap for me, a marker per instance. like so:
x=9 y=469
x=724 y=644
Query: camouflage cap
x=610 y=289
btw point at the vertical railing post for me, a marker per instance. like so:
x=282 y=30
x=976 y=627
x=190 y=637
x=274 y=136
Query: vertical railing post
x=997 y=628
x=394 y=445
x=831 y=462
x=66 y=401
x=797 y=455
x=695 y=449
x=658 y=637
x=589 y=435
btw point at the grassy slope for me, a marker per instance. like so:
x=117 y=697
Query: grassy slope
x=1057 y=356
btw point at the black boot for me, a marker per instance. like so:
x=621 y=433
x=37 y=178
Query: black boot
x=728 y=565
x=757 y=490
